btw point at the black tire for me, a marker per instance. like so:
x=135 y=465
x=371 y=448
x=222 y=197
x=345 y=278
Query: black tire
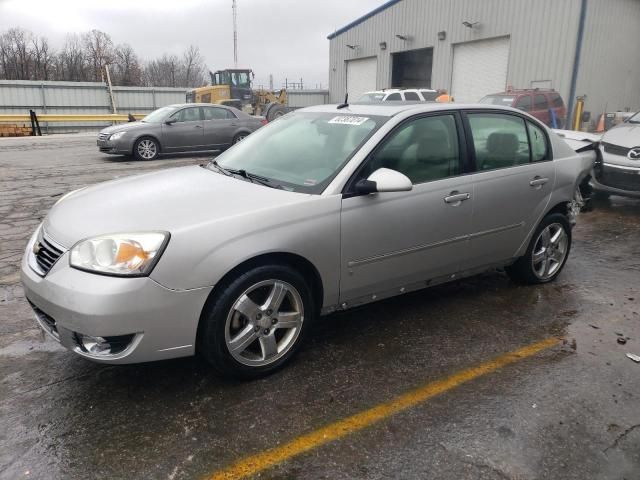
x=274 y=111
x=139 y=152
x=600 y=196
x=523 y=271
x=218 y=315
x=238 y=137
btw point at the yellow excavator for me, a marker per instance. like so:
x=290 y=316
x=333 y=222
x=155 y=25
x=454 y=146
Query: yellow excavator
x=232 y=87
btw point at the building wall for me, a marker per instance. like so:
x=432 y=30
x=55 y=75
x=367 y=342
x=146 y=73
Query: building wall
x=609 y=72
x=542 y=32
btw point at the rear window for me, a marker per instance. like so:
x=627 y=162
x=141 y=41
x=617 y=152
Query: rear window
x=429 y=95
x=556 y=100
x=411 y=96
x=505 y=100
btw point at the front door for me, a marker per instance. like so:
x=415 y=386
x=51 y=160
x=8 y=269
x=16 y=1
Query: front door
x=185 y=133
x=393 y=240
x=512 y=186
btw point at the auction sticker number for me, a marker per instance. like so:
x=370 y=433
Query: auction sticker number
x=347 y=120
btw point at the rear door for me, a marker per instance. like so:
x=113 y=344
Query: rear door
x=513 y=182
x=396 y=240
x=185 y=133
x=220 y=125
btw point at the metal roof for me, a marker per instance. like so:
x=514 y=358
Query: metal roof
x=358 y=21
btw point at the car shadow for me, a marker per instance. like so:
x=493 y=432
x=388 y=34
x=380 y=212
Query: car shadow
x=164 y=156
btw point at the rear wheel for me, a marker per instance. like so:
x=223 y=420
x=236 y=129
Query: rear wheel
x=547 y=252
x=255 y=324
x=239 y=137
x=146 y=148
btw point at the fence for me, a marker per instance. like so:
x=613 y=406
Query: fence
x=84 y=98
x=20 y=96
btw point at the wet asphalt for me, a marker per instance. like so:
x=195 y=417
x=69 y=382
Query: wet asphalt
x=570 y=412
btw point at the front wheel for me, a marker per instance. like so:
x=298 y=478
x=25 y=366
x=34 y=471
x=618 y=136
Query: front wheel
x=255 y=324
x=146 y=148
x=547 y=252
x=239 y=137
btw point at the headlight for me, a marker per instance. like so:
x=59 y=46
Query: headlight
x=117 y=136
x=126 y=254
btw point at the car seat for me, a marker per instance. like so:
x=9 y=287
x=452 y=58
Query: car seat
x=502 y=151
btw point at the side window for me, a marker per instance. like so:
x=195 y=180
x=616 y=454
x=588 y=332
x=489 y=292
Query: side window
x=500 y=141
x=428 y=95
x=187 y=115
x=213 y=113
x=424 y=149
x=539 y=147
x=540 y=102
x=411 y=96
x=524 y=103
x=394 y=96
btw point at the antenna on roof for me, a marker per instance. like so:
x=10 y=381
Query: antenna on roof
x=346 y=102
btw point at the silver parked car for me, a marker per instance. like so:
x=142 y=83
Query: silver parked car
x=618 y=172
x=325 y=208
x=179 y=128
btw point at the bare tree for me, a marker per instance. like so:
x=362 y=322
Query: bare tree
x=163 y=72
x=193 y=68
x=16 y=54
x=99 y=52
x=71 y=61
x=127 y=69
x=43 y=58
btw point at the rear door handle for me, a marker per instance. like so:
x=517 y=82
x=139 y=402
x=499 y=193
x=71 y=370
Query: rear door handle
x=538 y=182
x=456 y=198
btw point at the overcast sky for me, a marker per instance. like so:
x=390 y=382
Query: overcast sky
x=284 y=37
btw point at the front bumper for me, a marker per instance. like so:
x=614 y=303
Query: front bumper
x=118 y=147
x=617 y=179
x=68 y=302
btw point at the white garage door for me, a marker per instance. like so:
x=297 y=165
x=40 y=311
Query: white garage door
x=479 y=68
x=361 y=76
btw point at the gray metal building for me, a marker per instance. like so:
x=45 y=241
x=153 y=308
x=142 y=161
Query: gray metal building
x=476 y=47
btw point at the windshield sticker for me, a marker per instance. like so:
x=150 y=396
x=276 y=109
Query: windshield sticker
x=346 y=120
x=310 y=182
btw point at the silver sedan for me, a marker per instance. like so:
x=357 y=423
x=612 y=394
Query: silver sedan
x=179 y=128
x=323 y=209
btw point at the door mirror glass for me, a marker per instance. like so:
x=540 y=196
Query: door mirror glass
x=170 y=121
x=384 y=180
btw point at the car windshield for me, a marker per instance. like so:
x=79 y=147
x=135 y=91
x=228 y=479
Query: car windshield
x=302 y=151
x=371 y=97
x=635 y=118
x=158 y=115
x=498 y=100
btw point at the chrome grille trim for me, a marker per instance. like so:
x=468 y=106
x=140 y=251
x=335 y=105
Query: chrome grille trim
x=44 y=254
x=615 y=149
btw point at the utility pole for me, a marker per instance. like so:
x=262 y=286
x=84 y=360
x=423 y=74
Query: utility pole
x=235 y=33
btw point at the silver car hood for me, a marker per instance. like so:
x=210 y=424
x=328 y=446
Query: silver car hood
x=124 y=127
x=624 y=135
x=168 y=200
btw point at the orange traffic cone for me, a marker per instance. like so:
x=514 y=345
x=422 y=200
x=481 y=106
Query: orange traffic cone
x=600 y=127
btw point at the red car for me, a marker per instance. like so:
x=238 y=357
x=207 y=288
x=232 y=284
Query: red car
x=537 y=102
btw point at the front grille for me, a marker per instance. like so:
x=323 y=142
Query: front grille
x=619 y=179
x=615 y=149
x=104 y=136
x=46 y=254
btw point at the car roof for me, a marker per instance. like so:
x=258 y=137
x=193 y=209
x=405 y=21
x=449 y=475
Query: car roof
x=523 y=91
x=391 y=108
x=179 y=105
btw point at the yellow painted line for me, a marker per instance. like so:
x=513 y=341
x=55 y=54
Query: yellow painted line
x=262 y=461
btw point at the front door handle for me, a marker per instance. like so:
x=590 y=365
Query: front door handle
x=538 y=182
x=455 y=198
x=197 y=126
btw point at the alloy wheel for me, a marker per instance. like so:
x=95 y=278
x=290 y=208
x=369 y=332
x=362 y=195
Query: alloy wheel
x=147 y=149
x=549 y=251
x=264 y=323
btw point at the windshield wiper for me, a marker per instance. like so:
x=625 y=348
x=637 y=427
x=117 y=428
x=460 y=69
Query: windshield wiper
x=252 y=177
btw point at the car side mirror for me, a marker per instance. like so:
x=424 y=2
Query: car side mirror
x=171 y=121
x=384 y=180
